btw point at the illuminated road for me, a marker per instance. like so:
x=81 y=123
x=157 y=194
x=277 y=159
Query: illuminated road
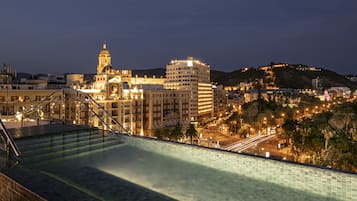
x=247 y=143
x=254 y=143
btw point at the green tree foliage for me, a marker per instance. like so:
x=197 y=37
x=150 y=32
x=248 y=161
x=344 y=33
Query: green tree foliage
x=176 y=133
x=344 y=118
x=326 y=139
x=270 y=110
x=191 y=132
x=290 y=128
x=342 y=152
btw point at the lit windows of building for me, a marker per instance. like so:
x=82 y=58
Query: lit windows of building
x=113 y=90
x=192 y=75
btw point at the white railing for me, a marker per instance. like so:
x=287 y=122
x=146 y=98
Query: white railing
x=106 y=114
x=9 y=142
x=35 y=107
x=85 y=98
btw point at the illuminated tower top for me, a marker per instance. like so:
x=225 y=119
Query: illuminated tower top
x=104 y=59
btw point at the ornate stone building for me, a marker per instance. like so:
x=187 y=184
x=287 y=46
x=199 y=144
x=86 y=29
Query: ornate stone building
x=139 y=104
x=114 y=91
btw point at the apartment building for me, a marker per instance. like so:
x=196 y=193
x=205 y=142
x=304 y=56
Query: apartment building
x=165 y=108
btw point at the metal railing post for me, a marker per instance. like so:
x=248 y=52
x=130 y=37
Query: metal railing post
x=9 y=143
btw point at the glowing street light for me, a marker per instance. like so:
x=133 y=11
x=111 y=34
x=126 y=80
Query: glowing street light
x=18 y=116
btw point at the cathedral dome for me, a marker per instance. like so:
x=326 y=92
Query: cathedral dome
x=104 y=50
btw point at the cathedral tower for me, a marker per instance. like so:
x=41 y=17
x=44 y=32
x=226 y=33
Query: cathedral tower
x=103 y=59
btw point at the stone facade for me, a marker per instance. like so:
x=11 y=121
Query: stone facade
x=165 y=108
x=10 y=190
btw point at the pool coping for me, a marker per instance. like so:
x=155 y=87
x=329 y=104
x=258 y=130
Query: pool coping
x=245 y=154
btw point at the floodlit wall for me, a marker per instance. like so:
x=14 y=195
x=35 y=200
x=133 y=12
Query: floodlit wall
x=324 y=182
x=11 y=190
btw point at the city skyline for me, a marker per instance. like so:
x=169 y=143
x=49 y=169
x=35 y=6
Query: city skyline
x=146 y=35
x=178 y=100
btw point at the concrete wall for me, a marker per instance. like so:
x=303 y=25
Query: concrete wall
x=10 y=190
x=324 y=182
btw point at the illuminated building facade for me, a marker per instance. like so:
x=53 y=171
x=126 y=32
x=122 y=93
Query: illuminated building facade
x=165 y=108
x=74 y=79
x=113 y=90
x=118 y=94
x=13 y=101
x=148 y=80
x=18 y=95
x=7 y=75
x=194 y=76
x=283 y=97
x=220 y=99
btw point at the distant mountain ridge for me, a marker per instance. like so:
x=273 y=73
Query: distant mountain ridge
x=290 y=76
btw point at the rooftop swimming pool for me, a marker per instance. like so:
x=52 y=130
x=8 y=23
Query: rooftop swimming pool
x=132 y=168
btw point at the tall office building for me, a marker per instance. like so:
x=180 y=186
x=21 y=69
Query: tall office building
x=193 y=75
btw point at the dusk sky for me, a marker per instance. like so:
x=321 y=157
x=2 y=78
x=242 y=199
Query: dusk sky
x=41 y=36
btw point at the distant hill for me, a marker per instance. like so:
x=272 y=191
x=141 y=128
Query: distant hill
x=291 y=76
x=235 y=77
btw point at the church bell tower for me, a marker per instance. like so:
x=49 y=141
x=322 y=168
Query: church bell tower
x=104 y=59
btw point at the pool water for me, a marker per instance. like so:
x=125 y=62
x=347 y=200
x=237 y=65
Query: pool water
x=111 y=169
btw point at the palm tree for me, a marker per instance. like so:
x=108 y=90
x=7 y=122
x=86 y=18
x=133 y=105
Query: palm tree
x=328 y=133
x=176 y=133
x=191 y=132
x=289 y=128
x=305 y=129
x=343 y=118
